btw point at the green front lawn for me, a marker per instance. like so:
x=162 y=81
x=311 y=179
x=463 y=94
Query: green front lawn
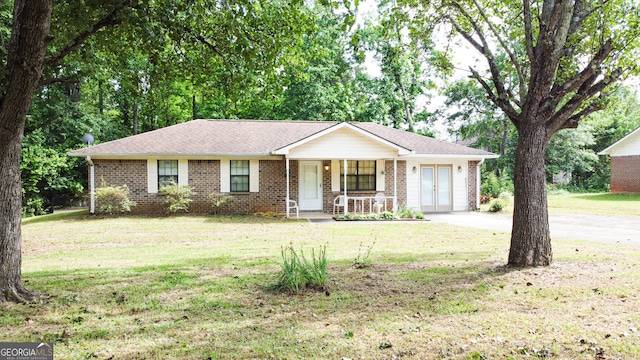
x=599 y=203
x=587 y=203
x=202 y=287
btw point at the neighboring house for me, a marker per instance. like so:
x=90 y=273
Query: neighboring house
x=625 y=163
x=250 y=160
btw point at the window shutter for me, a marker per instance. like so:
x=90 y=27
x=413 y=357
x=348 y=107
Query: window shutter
x=380 y=175
x=152 y=176
x=183 y=172
x=335 y=175
x=254 y=175
x=225 y=176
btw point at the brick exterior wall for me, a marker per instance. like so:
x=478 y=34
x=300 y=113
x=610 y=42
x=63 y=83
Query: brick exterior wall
x=625 y=174
x=473 y=185
x=204 y=178
x=132 y=173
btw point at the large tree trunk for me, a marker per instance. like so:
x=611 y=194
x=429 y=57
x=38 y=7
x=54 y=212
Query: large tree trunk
x=530 y=237
x=31 y=21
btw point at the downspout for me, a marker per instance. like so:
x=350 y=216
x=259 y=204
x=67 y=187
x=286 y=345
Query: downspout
x=478 y=182
x=287 y=175
x=92 y=186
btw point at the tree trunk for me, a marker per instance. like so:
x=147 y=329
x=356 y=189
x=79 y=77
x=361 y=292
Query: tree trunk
x=530 y=237
x=135 y=118
x=31 y=21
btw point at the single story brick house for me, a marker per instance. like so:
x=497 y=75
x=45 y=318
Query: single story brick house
x=263 y=163
x=625 y=163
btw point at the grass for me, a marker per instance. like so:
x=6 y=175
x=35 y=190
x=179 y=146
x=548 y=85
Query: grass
x=599 y=203
x=608 y=204
x=192 y=287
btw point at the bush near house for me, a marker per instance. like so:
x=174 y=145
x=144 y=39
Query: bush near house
x=114 y=199
x=178 y=197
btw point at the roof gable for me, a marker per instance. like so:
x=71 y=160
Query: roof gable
x=339 y=128
x=628 y=145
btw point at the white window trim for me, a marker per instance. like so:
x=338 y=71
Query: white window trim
x=152 y=174
x=225 y=175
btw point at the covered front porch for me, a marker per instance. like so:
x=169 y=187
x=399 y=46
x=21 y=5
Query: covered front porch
x=321 y=185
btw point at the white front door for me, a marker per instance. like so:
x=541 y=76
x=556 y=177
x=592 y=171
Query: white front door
x=310 y=197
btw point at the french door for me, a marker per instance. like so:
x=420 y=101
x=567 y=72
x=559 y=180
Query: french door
x=435 y=188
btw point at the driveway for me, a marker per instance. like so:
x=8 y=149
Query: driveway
x=600 y=228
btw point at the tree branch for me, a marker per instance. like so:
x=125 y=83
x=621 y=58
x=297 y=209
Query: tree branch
x=501 y=98
x=109 y=20
x=528 y=31
x=501 y=102
x=565 y=116
x=522 y=85
x=559 y=91
x=65 y=80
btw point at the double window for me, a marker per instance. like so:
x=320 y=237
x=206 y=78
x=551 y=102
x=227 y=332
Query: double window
x=361 y=175
x=239 y=175
x=167 y=172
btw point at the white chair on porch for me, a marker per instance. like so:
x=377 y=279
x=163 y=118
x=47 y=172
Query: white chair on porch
x=338 y=202
x=292 y=204
x=380 y=202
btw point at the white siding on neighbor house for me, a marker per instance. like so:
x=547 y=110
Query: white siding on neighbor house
x=627 y=147
x=343 y=144
x=460 y=181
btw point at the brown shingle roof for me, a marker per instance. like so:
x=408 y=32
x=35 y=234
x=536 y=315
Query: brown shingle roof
x=255 y=137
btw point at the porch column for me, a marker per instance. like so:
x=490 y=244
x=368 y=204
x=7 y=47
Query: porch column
x=286 y=205
x=395 y=184
x=346 y=200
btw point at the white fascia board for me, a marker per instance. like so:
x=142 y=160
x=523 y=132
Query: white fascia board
x=285 y=150
x=607 y=151
x=451 y=156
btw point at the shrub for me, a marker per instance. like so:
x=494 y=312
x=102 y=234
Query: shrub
x=497 y=205
x=491 y=185
x=299 y=273
x=506 y=197
x=362 y=260
x=114 y=199
x=216 y=199
x=404 y=212
x=178 y=197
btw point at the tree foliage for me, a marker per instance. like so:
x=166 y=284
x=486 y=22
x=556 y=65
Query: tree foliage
x=46 y=45
x=548 y=65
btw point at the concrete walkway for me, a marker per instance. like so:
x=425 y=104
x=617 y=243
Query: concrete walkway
x=600 y=228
